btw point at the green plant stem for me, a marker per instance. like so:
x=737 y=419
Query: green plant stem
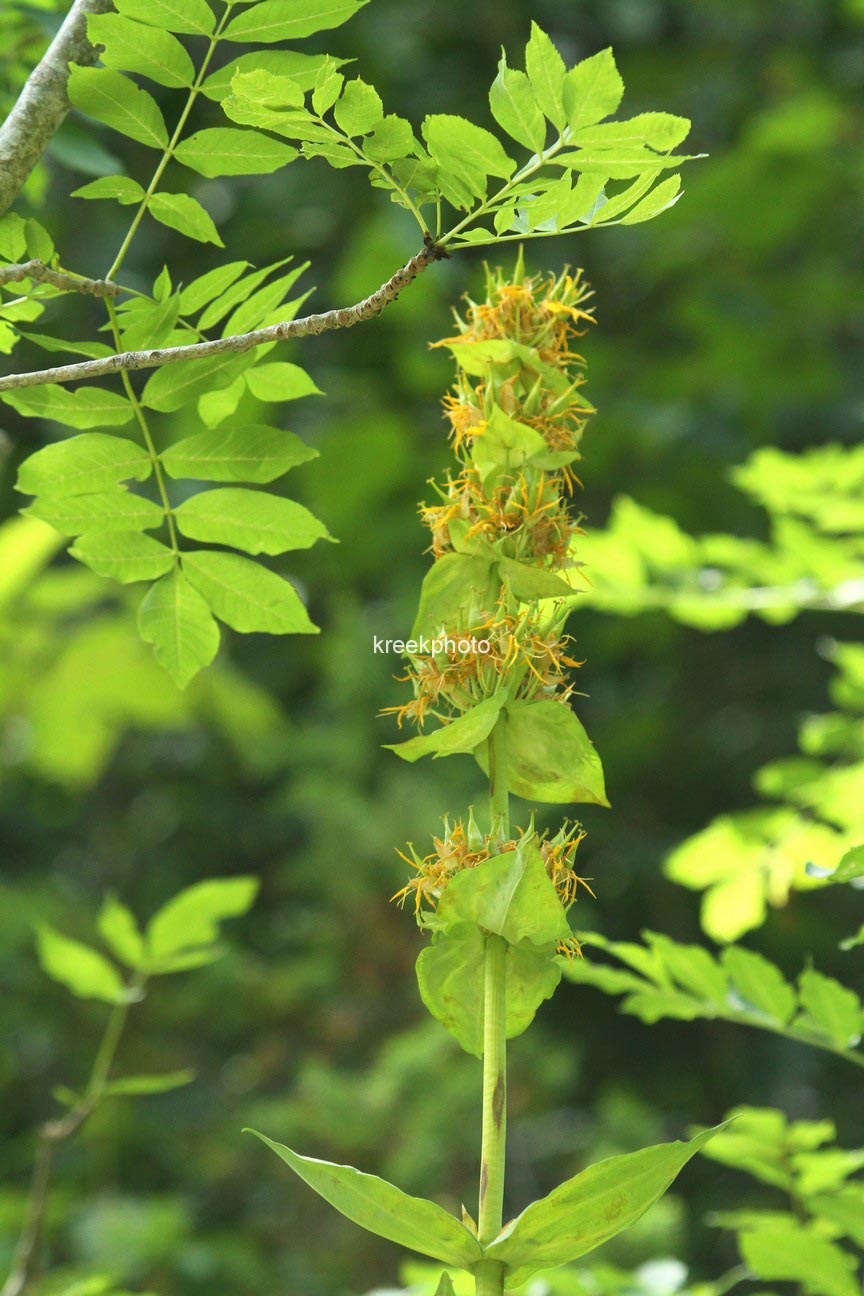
x=489 y=1274
x=51 y=1137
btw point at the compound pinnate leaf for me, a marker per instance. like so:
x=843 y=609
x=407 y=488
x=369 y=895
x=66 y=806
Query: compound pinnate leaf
x=461 y=735
x=83 y=970
x=468 y=152
x=255 y=521
x=185 y=214
x=124 y=556
x=546 y=70
x=245 y=596
x=117 y=101
x=119 y=930
x=287 y=20
x=550 y=756
x=133 y=47
x=87 y=463
x=515 y=108
x=229 y=150
x=115 y=510
x=176 y=385
x=383 y=1209
x=303 y=69
x=191 y=919
x=593 y=89
x=589 y=1209
x=189 y=17
x=253 y=453
x=279 y=380
x=660 y=199
x=122 y=189
x=176 y=620
x=87 y=407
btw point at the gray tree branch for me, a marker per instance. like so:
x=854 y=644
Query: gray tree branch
x=308 y=325
x=43 y=102
x=38 y=271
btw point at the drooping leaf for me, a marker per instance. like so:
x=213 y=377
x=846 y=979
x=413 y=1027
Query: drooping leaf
x=86 y=407
x=192 y=918
x=278 y=380
x=189 y=17
x=117 y=101
x=176 y=620
x=515 y=108
x=245 y=596
x=83 y=970
x=181 y=212
x=175 y=385
x=254 y=521
x=550 y=757
x=252 y=453
x=124 y=556
x=462 y=734
x=134 y=47
x=589 y=1209
x=288 y=20
x=82 y=464
x=119 y=929
x=228 y=150
x=383 y=1209
x=115 y=510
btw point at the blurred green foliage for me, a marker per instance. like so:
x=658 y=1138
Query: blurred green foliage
x=729 y=326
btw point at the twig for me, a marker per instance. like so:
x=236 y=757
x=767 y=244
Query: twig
x=308 y=325
x=43 y=102
x=38 y=270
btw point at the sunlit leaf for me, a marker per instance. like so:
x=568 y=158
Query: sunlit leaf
x=245 y=596
x=83 y=970
x=117 y=101
x=176 y=620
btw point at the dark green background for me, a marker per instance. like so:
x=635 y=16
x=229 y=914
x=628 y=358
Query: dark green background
x=731 y=323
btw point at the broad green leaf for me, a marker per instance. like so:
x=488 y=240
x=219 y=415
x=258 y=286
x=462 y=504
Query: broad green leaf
x=122 y=188
x=658 y=130
x=253 y=453
x=510 y=895
x=451 y=587
x=83 y=970
x=202 y=290
x=180 y=212
x=288 y=20
x=450 y=976
x=662 y=196
x=850 y=867
x=280 y=381
x=86 y=407
x=149 y=324
x=692 y=967
x=514 y=107
x=227 y=150
x=545 y=68
x=799 y=1254
x=255 y=521
x=303 y=69
x=83 y=464
x=760 y=984
x=467 y=151
x=392 y=138
x=529 y=582
x=133 y=47
x=359 y=110
x=119 y=930
x=189 y=17
x=844 y=1208
x=216 y=406
x=593 y=89
x=383 y=1209
x=114 y=510
x=149 y=1084
x=462 y=734
x=327 y=88
x=117 y=101
x=13 y=239
x=175 y=619
x=192 y=917
x=176 y=385
x=549 y=755
x=832 y=1006
x=622 y=163
x=587 y=1210
x=123 y=556
x=245 y=596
